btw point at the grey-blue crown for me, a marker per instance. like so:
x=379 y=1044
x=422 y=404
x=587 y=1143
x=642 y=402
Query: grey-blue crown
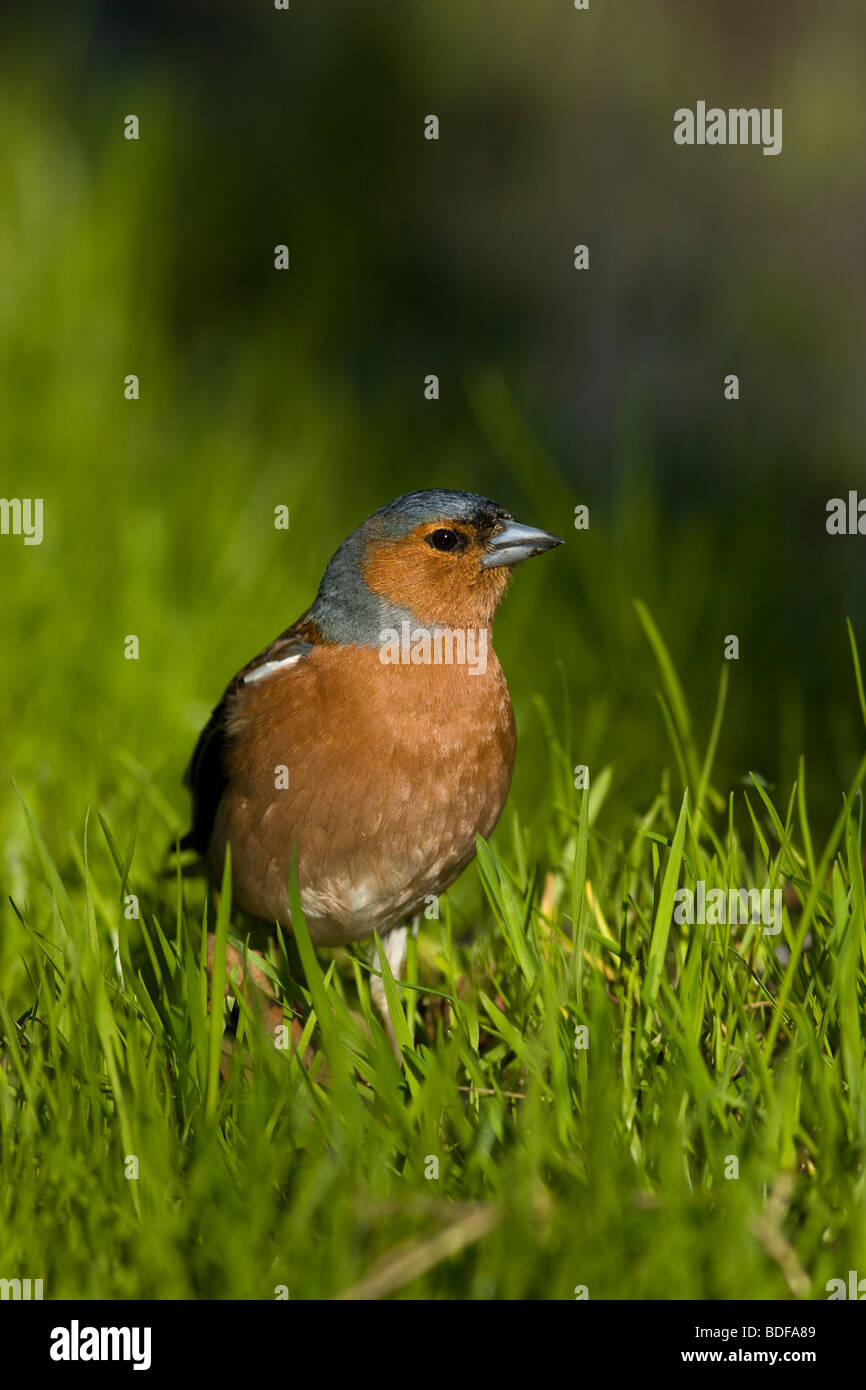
x=435 y=504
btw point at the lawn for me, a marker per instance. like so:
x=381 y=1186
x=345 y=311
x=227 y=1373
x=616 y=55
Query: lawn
x=595 y=1099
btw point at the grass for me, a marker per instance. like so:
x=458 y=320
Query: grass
x=592 y=1094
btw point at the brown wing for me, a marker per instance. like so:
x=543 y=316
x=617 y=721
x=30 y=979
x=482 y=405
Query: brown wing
x=206 y=775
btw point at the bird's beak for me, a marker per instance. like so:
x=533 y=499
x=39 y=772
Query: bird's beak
x=515 y=543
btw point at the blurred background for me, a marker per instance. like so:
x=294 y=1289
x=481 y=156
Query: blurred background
x=408 y=257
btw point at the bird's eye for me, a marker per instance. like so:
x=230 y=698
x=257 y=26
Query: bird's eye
x=447 y=540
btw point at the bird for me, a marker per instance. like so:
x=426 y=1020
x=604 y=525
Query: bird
x=374 y=738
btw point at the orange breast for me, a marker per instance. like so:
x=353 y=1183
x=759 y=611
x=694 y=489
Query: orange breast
x=392 y=771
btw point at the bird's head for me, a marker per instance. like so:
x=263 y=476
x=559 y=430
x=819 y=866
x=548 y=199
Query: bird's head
x=436 y=558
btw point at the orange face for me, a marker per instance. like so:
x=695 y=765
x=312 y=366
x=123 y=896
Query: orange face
x=436 y=573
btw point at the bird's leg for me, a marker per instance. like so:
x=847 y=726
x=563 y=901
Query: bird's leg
x=259 y=994
x=396 y=944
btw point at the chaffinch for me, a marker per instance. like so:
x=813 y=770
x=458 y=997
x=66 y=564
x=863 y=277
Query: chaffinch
x=375 y=736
